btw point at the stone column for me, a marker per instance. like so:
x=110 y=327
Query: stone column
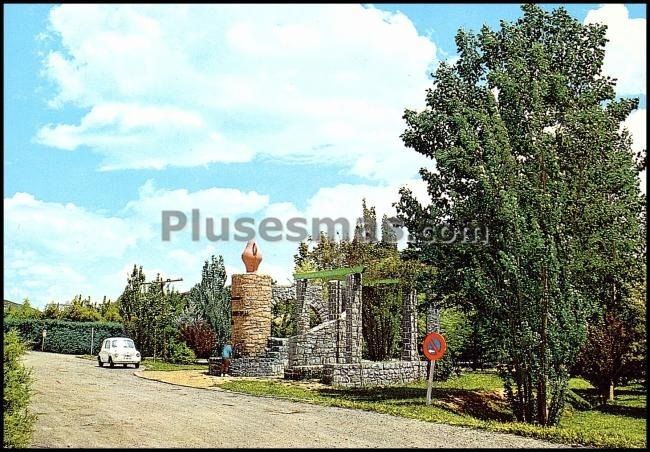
x=335 y=307
x=433 y=317
x=251 y=296
x=353 y=306
x=409 y=325
x=302 y=323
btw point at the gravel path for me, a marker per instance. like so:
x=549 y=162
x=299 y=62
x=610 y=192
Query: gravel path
x=82 y=405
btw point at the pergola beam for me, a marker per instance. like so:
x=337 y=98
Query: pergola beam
x=337 y=273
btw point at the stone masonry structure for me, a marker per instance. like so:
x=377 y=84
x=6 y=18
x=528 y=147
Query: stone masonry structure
x=329 y=351
x=251 y=313
x=371 y=373
x=409 y=325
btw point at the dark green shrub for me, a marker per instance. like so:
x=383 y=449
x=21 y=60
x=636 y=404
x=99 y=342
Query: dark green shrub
x=180 y=353
x=456 y=329
x=64 y=336
x=18 y=422
x=577 y=401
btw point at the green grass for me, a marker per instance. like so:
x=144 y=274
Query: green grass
x=150 y=364
x=474 y=400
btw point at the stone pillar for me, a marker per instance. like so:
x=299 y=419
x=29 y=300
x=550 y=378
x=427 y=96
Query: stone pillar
x=353 y=306
x=251 y=296
x=302 y=311
x=335 y=307
x=433 y=317
x=409 y=325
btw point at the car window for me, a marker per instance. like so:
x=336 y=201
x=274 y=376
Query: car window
x=107 y=344
x=123 y=343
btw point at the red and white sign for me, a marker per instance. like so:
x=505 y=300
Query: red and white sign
x=434 y=346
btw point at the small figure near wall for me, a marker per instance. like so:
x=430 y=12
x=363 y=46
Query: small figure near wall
x=251 y=256
x=226 y=355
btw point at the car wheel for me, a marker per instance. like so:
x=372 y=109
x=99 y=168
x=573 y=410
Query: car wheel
x=110 y=362
x=137 y=365
x=99 y=361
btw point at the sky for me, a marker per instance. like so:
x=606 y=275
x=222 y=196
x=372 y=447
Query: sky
x=115 y=113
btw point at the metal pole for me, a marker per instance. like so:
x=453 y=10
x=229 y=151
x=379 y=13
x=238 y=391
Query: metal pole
x=92 y=339
x=433 y=365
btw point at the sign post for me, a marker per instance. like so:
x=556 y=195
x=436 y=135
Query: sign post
x=43 y=341
x=433 y=347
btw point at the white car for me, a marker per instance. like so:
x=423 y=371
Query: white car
x=118 y=350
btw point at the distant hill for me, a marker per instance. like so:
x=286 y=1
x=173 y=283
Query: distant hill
x=8 y=304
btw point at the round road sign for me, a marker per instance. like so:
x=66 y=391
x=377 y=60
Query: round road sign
x=434 y=346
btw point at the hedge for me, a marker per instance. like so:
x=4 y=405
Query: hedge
x=64 y=336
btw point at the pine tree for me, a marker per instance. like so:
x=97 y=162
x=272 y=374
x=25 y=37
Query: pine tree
x=209 y=299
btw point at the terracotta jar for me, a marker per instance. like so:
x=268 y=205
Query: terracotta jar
x=251 y=256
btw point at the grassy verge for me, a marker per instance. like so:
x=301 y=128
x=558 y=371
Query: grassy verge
x=474 y=400
x=150 y=364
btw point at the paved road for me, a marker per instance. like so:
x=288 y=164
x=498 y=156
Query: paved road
x=82 y=405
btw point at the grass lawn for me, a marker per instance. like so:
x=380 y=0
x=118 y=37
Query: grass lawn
x=158 y=365
x=475 y=400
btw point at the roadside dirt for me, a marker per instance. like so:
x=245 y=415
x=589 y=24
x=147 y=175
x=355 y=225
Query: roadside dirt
x=82 y=405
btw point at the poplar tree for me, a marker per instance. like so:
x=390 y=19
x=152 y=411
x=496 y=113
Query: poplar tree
x=525 y=131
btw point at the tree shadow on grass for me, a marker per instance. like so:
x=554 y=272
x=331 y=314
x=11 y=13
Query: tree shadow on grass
x=619 y=406
x=622 y=410
x=482 y=405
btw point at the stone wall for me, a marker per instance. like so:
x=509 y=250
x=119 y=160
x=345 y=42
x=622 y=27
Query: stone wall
x=283 y=294
x=251 y=313
x=270 y=363
x=369 y=373
x=314 y=347
x=309 y=296
x=258 y=366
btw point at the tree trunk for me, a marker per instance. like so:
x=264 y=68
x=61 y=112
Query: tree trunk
x=542 y=414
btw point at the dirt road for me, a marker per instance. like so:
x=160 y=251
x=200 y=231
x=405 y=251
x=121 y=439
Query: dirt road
x=82 y=405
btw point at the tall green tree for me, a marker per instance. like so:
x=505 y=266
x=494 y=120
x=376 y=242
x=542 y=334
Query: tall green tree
x=151 y=313
x=525 y=133
x=209 y=299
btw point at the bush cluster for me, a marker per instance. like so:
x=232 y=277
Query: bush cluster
x=199 y=337
x=180 y=353
x=18 y=422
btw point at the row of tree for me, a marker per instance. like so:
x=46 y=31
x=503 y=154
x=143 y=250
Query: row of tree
x=163 y=322
x=79 y=309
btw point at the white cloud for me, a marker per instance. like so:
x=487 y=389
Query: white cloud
x=65 y=228
x=189 y=85
x=54 y=251
x=625 y=53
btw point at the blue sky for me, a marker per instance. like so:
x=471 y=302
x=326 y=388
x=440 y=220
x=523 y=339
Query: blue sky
x=113 y=113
